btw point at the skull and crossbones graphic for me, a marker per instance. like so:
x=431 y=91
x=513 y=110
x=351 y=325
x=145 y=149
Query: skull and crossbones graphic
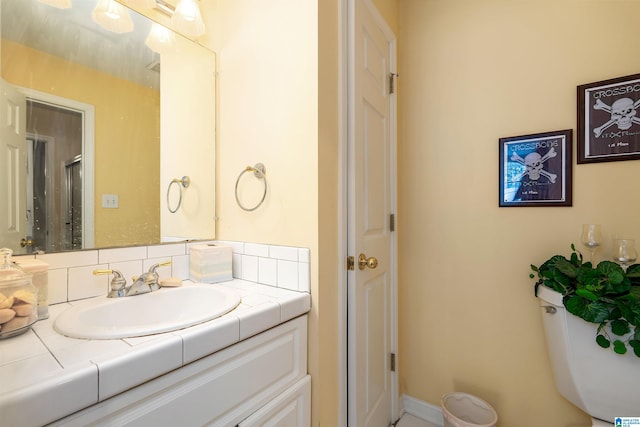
x=534 y=164
x=623 y=114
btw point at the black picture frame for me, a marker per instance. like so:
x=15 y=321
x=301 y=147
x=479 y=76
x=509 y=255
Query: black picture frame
x=535 y=169
x=608 y=127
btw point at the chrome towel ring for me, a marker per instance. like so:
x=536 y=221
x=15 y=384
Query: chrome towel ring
x=184 y=183
x=259 y=170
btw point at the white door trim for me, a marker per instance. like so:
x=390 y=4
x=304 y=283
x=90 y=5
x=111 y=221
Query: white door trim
x=344 y=124
x=88 y=153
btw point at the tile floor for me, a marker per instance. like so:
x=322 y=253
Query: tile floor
x=408 y=420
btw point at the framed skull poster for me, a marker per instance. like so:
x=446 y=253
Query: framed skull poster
x=535 y=170
x=608 y=121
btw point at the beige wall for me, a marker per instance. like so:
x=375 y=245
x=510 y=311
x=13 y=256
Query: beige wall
x=472 y=72
x=268 y=113
x=325 y=344
x=389 y=11
x=188 y=128
x=137 y=221
x=271 y=98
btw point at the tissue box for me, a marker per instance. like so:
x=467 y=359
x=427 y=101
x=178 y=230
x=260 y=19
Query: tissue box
x=40 y=280
x=210 y=263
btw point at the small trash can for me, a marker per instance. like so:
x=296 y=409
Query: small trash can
x=466 y=410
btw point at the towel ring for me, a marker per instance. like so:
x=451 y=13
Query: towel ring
x=185 y=182
x=259 y=170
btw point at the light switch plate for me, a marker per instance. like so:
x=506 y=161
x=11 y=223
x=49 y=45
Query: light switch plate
x=110 y=201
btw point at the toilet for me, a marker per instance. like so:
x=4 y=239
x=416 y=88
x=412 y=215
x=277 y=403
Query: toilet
x=598 y=381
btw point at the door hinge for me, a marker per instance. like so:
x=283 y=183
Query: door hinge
x=393 y=362
x=392 y=222
x=351 y=263
x=392 y=86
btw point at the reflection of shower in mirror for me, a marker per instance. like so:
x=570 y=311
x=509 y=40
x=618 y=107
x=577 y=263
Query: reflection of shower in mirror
x=54 y=179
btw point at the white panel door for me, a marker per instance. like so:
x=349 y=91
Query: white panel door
x=13 y=167
x=370 y=203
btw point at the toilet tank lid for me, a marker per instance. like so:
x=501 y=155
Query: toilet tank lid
x=549 y=296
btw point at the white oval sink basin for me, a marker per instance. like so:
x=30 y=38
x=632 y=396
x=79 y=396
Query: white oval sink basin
x=165 y=310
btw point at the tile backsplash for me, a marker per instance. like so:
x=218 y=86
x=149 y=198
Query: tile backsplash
x=71 y=273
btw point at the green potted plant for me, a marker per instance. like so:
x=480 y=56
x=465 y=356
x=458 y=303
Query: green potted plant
x=606 y=295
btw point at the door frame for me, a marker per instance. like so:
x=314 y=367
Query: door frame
x=345 y=122
x=88 y=152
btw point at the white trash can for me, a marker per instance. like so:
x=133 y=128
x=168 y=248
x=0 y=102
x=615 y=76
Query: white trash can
x=466 y=410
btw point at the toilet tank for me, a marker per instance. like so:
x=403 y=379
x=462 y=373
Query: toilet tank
x=600 y=382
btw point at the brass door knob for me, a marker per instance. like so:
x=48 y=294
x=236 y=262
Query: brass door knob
x=26 y=242
x=363 y=262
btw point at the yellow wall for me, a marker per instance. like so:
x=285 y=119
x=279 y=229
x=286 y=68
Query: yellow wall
x=472 y=72
x=389 y=11
x=268 y=112
x=188 y=128
x=126 y=169
x=325 y=343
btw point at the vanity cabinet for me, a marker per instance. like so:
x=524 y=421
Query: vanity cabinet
x=291 y=408
x=261 y=380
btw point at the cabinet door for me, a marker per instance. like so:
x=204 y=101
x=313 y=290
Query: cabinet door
x=291 y=409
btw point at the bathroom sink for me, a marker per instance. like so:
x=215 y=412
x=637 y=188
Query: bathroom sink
x=165 y=310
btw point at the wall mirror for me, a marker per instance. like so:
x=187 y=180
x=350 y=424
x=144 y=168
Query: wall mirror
x=95 y=122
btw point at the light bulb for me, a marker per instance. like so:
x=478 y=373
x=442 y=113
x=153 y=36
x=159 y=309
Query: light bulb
x=160 y=39
x=112 y=16
x=187 y=18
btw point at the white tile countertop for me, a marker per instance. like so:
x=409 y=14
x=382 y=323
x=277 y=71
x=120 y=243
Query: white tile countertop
x=45 y=376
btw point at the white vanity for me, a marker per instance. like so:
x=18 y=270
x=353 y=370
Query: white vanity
x=246 y=368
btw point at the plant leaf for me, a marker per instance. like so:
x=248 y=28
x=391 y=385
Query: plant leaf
x=620 y=327
x=633 y=271
x=589 y=277
x=587 y=294
x=603 y=341
x=629 y=307
x=619 y=347
x=565 y=267
x=591 y=311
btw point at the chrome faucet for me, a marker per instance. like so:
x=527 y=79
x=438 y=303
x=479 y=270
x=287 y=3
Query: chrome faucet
x=118 y=283
x=145 y=283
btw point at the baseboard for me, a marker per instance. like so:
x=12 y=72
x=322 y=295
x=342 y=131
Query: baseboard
x=423 y=410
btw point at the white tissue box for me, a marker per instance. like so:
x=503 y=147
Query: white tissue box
x=210 y=263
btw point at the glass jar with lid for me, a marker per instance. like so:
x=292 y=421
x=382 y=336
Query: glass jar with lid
x=18 y=298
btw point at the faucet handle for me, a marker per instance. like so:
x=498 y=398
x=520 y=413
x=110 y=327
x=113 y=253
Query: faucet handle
x=118 y=282
x=154 y=267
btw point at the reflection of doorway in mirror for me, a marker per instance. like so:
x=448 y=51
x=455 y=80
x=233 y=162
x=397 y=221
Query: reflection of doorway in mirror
x=40 y=165
x=72 y=237
x=84 y=132
x=55 y=135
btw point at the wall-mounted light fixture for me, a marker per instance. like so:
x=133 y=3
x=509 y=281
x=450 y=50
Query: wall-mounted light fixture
x=160 y=39
x=112 y=16
x=187 y=18
x=60 y=4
